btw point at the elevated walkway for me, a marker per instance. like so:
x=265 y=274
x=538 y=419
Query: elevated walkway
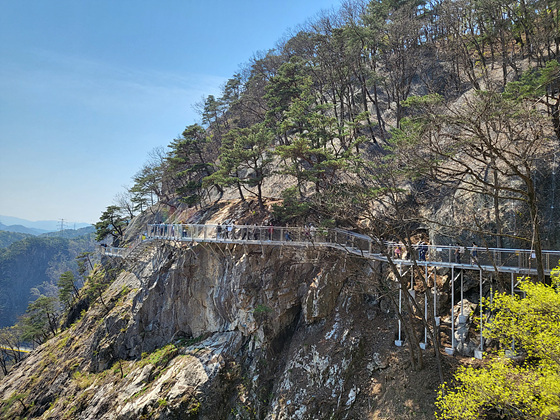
x=516 y=261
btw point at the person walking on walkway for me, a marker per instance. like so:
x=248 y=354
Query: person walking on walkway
x=219 y=231
x=422 y=250
x=398 y=252
x=229 y=232
x=459 y=251
x=474 y=253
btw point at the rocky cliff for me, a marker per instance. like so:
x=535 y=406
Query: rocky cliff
x=224 y=332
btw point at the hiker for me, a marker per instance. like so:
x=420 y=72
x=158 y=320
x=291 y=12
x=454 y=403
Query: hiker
x=219 y=231
x=474 y=253
x=229 y=232
x=312 y=232
x=307 y=233
x=398 y=252
x=422 y=250
x=459 y=251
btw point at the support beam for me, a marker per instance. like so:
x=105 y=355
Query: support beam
x=451 y=350
x=462 y=318
x=479 y=353
x=399 y=342
x=424 y=345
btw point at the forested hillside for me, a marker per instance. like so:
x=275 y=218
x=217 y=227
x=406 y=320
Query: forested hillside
x=405 y=107
x=410 y=121
x=31 y=267
x=7 y=238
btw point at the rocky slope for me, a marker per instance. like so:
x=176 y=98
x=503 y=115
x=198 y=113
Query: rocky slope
x=214 y=331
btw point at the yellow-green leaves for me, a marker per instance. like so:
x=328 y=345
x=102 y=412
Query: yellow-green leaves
x=528 y=387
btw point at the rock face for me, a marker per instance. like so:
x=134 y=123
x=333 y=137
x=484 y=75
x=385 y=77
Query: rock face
x=211 y=331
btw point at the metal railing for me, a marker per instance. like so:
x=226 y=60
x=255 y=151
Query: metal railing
x=113 y=251
x=252 y=234
x=524 y=259
x=487 y=259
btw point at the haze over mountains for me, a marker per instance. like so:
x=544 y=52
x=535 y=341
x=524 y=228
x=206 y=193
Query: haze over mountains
x=15 y=224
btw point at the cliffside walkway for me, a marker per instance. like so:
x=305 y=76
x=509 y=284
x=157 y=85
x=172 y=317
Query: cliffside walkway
x=515 y=261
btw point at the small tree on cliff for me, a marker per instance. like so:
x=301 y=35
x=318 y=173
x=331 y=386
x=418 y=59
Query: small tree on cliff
x=67 y=290
x=111 y=223
x=245 y=160
x=10 y=343
x=40 y=321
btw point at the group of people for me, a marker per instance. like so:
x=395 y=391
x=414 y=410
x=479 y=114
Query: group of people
x=400 y=252
x=228 y=231
x=460 y=250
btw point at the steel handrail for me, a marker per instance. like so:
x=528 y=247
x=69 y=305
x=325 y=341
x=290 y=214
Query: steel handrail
x=352 y=242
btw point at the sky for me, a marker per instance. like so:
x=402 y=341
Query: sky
x=89 y=87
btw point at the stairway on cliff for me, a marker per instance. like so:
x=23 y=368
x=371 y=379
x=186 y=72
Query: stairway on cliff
x=139 y=248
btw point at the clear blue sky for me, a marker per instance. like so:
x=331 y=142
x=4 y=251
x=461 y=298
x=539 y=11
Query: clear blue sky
x=89 y=87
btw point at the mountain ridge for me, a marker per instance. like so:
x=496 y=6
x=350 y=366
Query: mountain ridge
x=41 y=226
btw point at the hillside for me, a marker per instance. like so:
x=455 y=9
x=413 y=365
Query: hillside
x=8 y=238
x=210 y=331
x=70 y=233
x=35 y=263
x=413 y=123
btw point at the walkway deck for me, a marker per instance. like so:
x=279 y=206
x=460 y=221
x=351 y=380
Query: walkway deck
x=516 y=261
x=487 y=260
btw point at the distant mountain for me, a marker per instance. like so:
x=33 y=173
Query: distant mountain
x=42 y=225
x=22 y=229
x=70 y=233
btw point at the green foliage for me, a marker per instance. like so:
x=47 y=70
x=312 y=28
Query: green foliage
x=321 y=147
x=533 y=83
x=67 y=290
x=160 y=357
x=111 y=223
x=8 y=238
x=515 y=392
x=96 y=282
x=40 y=321
x=35 y=262
x=245 y=159
x=188 y=161
x=147 y=184
x=526 y=389
x=292 y=206
x=13 y=398
x=83 y=380
x=262 y=309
